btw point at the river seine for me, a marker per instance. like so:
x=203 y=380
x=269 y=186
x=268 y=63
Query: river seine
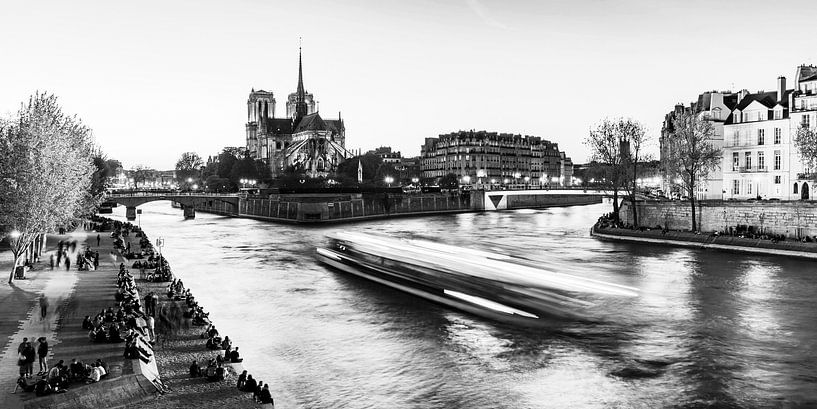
x=709 y=329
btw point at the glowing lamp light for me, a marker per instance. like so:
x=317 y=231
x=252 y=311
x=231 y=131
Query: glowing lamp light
x=517 y=175
x=505 y=181
x=14 y=234
x=527 y=179
x=195 y=187
x=466 y=179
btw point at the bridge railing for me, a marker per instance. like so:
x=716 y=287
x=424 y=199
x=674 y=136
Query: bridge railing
x=155 y=194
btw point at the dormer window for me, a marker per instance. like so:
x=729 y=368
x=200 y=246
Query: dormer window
x=759 y=115
x=778 y=114
x=716 y=113
x=736 y=117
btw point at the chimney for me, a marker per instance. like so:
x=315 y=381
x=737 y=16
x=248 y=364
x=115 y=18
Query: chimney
x=781 y=87
x=742 y=94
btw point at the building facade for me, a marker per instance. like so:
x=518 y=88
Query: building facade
x=757 y=138
x=496 y=158
x=714 y=106
x=303 y=141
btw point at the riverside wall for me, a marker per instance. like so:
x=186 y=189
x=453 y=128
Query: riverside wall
x=791 y=218
x=306 y=209
x=323 y=208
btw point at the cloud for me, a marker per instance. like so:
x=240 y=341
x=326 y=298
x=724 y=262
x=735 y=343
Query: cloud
x=484 y=14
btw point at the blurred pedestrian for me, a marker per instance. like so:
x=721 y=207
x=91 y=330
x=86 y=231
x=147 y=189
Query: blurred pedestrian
x=43 y=307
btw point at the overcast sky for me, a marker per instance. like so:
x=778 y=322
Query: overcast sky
x=156 y=78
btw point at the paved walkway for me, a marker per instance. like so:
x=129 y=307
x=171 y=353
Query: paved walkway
x=71 y=295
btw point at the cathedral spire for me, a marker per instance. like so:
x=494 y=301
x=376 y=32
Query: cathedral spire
x=300 y=101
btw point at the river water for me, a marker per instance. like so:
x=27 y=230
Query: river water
x=709 y=329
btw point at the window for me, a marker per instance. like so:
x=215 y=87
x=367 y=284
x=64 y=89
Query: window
x=795 y=188
x=749 y=188
x=745 y=117
x=777 y=179
x=716 y=113
x=735 y=187
x=806 y=121
x=778 y=114
x=761 y=136
x=736 y=117
x=776 y=160
x=735 y=161
x=760 y=116
x=761 y=161
x=777 y=135
x=748 y=161
x=736 y=138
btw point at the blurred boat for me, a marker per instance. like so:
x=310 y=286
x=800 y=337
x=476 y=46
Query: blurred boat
x=490 y=285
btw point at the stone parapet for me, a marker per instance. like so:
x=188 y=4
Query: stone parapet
x=791 y=218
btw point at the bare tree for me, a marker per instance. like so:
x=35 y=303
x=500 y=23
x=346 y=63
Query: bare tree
x=805 y=140
x=633 y=135
x=692 y=156
x=45 y=173
x=140 y=174
x=606 y=157
x=188 y=166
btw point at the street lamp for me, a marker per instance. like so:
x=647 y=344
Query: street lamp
x=388 y=179
x=415 y=180
x=195 y=186
x=527 y=179
x=466 y=179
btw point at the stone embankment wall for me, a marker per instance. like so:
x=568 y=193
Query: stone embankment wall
x=793 y=219
x=348 y=207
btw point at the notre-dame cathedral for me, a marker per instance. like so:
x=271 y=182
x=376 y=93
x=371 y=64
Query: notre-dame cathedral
x=303 y=140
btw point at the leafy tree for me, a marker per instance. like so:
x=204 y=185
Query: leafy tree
x=226 y=160
x=45 y=173
x=449 y=181
x=605 y=150
x=188 y=166
x=805 y=140
x=384 y=170
x=104 y=169
x=692 y=157
x=215 y=184
x=346 y=172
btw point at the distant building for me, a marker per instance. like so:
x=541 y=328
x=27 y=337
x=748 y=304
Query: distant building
x=714 y=106
x=496 y=158
x=411 y=169
x=386 y=153
x=303 y=141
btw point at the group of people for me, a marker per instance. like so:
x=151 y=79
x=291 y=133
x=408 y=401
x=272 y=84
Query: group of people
x=27 y=354
x=57 y=378
x=260 y=391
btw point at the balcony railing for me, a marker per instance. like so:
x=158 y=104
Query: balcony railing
x=750 y=169
x=811 y=176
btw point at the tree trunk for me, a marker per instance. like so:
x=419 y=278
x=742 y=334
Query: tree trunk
x=694 y=225
x=615 y=205
x=15 y=257
x=635 y=212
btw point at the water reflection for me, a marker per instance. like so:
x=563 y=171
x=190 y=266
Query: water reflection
x=710 y=328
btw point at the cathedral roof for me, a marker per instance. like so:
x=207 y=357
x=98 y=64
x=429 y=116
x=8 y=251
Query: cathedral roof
x=279 y=125
x=311 y=122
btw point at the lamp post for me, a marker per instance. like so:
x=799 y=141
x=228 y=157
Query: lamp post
x=527 y=179
x=388 y=179
x=516 y=176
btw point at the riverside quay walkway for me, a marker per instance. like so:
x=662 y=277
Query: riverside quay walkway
x=341 y=207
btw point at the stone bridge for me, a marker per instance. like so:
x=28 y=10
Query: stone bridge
x=188 y=201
